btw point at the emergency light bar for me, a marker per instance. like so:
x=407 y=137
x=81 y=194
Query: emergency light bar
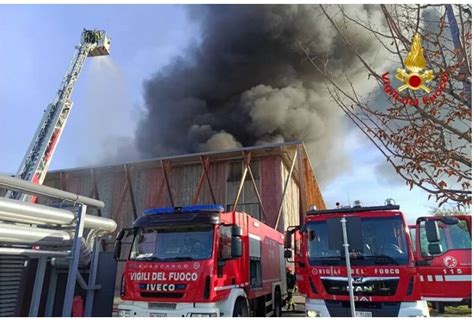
x=184 y=209
x=354 y=209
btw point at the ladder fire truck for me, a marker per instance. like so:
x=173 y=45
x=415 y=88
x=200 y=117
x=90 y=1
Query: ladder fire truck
x=33 y=168
x=356 y=261
x=38 y=156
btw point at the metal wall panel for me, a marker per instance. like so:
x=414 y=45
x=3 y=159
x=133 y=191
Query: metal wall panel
x=291 y=205
x=272 y=187
x=11 y=273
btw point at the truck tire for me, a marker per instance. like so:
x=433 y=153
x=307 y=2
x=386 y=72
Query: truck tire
x=240 y=308
x=277 y=304
x=259 y=307
x=440 y=307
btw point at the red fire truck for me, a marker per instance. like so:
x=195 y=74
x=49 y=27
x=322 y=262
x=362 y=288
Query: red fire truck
x=199 y=261
x=443 y=257
x=382 y=263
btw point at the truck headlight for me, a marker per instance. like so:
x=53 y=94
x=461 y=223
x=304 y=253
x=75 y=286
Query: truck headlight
x=312 y=313
x=202 y=314
x=124 y=313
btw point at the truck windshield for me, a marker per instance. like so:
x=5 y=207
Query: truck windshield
x=173 y=244
x=384 y=243
x=451 y=237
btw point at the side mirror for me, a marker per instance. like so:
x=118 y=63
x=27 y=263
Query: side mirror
x=287 y=253
x=236 y=249
x=287 y=240
x=434 y=249
x=432 y=231
x=237 y=231
x=118 y=248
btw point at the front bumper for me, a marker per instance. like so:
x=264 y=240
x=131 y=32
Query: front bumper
x=157 y=309
x=319 y=308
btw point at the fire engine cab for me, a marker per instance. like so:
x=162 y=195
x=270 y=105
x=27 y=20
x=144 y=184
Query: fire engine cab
x=443 y=257
x=199 y=261
x=380 y=256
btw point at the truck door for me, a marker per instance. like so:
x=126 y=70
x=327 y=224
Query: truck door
x=445 y=276
x=300 y=263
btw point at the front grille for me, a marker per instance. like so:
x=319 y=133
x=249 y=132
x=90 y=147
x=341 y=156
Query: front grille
x=378 y=309
x=174 y=295
x=362 y=286
x=161 y=305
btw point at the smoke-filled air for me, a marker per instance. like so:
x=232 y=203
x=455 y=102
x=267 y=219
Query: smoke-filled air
x=247 y=83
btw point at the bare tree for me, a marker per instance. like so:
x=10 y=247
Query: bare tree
x=428 y=142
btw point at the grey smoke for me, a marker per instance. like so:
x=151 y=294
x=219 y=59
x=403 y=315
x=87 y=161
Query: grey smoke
x=247 y=83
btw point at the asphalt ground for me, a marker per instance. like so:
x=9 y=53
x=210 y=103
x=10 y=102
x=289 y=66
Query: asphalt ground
x=462 y=311
x=299 y=311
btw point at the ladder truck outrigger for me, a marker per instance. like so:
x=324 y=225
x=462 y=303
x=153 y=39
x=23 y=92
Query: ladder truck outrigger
x=38 y=156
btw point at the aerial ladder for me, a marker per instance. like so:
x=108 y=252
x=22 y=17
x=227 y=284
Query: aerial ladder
x=38 y=157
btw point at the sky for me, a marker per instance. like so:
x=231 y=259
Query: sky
x=37 y=43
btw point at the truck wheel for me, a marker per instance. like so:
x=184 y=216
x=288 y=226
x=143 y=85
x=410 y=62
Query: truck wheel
x=277 y=304
x=240 y=308
x=440 y=307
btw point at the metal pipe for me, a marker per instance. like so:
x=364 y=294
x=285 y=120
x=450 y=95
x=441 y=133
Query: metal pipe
x=348 y=266
x=34 y=189
x=10 y=233
x=38 y=287
x=92 y=279
x=24 y=212
x=53 y=283
x=32 y=253
x=74 y=264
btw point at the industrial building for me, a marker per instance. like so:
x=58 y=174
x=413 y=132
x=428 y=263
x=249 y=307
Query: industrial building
x=204 y=178
x=254 y=179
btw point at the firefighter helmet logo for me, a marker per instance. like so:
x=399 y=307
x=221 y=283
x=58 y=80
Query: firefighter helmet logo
x=450 y=262
x=417 y=76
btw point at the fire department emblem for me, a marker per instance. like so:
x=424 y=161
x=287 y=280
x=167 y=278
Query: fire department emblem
x=450 y=262
x=415 y=76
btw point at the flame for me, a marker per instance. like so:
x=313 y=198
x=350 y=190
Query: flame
x=415 y=60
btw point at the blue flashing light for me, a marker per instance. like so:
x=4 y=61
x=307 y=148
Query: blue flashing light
x=184 y=209
x=158 y=211
x=203 y=208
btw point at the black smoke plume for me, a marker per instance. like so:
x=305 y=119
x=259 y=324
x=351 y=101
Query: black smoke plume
x=247 y=83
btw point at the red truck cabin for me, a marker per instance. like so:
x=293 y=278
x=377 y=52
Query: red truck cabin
x=383 y=269
x=445 y=275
